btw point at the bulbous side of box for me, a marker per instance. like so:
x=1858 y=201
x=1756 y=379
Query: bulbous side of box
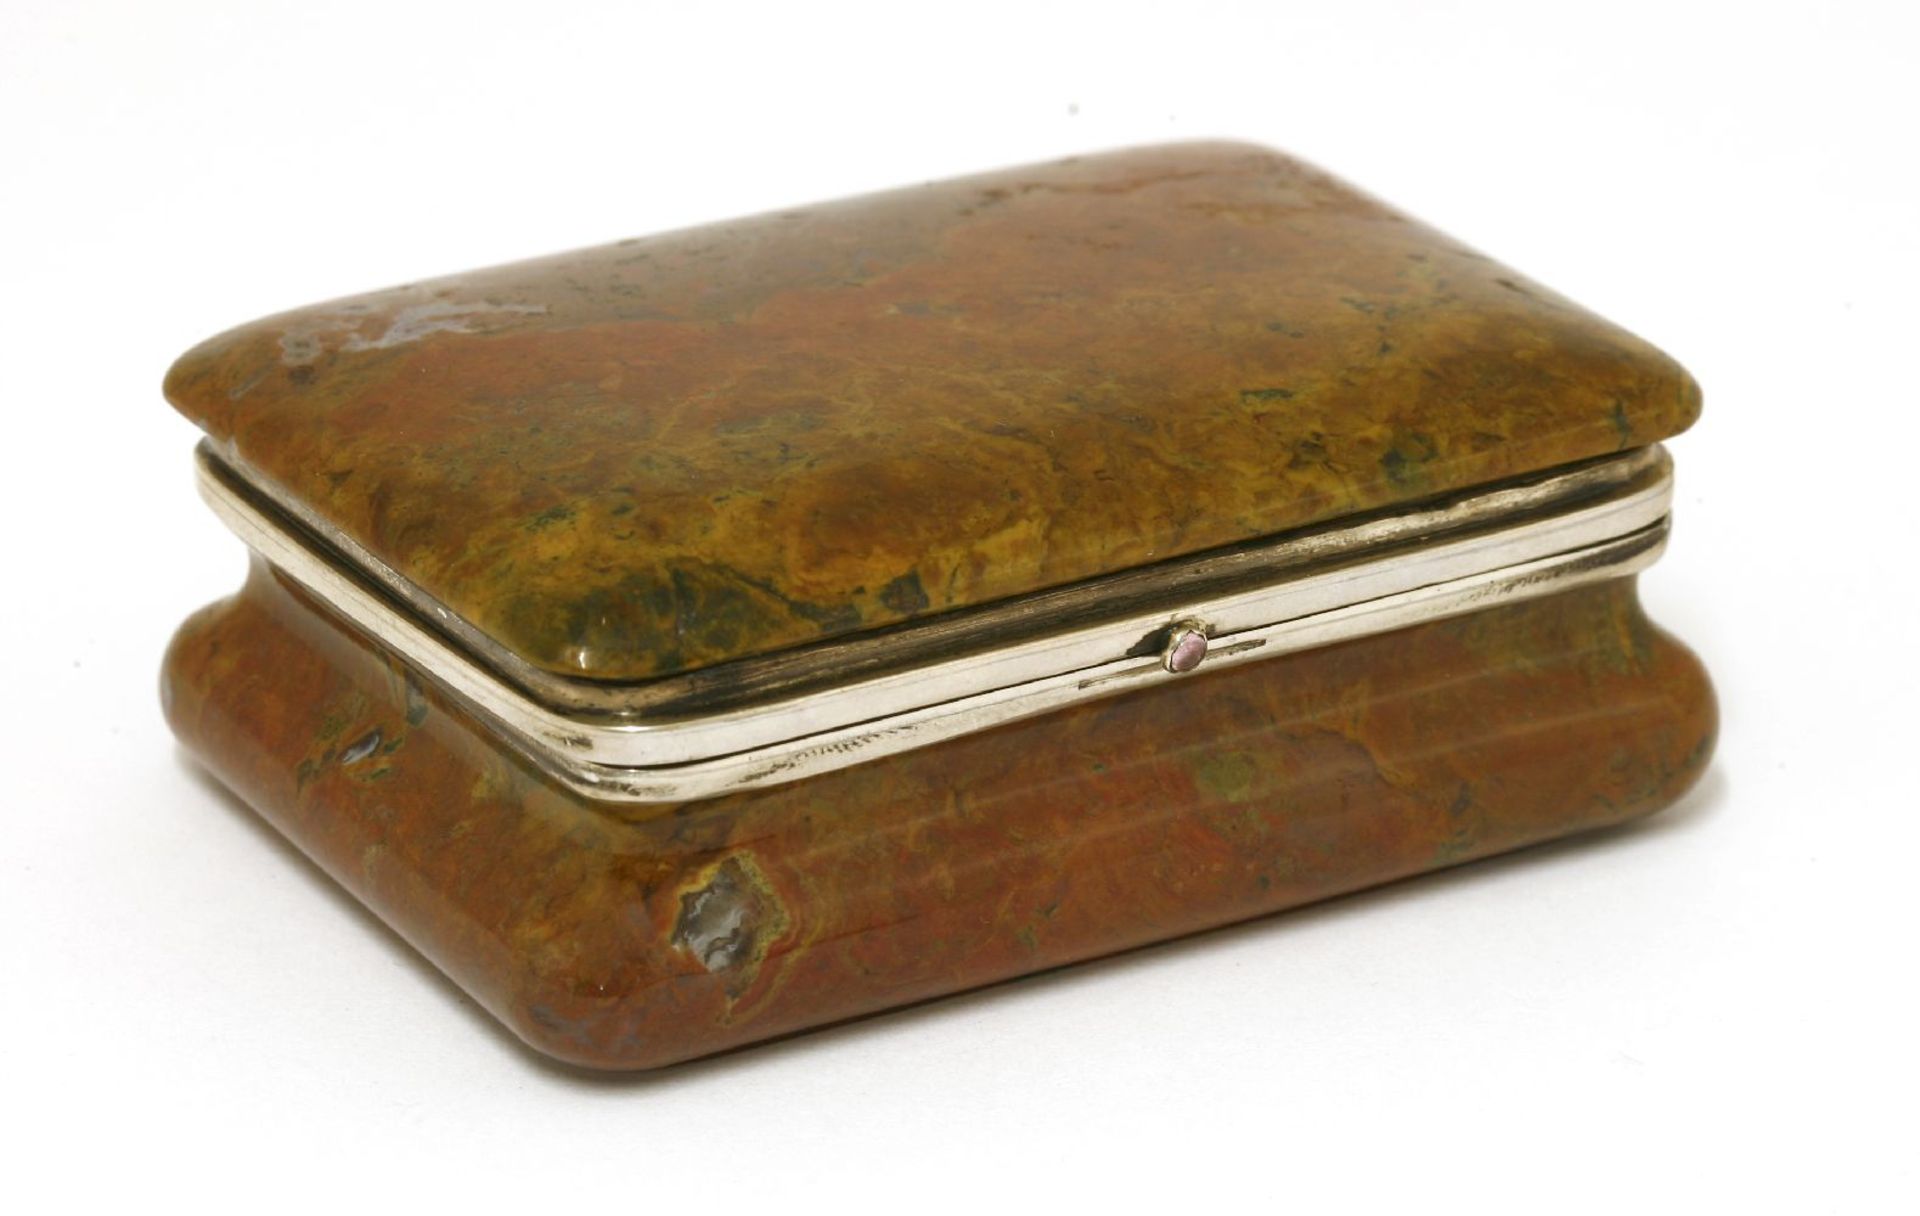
x=629 y=937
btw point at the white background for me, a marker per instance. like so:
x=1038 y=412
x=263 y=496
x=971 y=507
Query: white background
x=1713 y=1012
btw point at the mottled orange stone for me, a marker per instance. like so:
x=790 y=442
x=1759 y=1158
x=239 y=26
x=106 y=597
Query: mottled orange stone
x=663 y=455
x=659 y=455
x=630 y=937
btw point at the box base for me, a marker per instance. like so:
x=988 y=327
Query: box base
x=629 y=936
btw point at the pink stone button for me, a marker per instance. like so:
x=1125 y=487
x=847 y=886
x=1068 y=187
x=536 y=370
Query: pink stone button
x=1186 y=646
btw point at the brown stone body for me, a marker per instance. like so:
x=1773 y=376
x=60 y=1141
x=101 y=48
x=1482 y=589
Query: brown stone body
x=631 y=937
x=643 y=462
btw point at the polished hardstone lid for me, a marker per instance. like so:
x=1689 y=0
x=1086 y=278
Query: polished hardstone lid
x=662 y=454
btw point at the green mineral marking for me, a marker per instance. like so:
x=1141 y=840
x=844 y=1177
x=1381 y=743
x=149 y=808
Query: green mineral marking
x=1256 y=396
x=905 y=595
x=1622 y=425
x=558 y=514
x=1405 y=462
x=1229 y=776
x=416 y=702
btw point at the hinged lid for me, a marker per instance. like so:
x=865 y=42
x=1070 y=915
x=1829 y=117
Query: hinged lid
x=652 y=481
x=675 y=451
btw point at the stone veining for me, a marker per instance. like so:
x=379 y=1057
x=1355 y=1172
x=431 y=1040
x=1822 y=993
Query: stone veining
x=662 y=454
x=627 y=938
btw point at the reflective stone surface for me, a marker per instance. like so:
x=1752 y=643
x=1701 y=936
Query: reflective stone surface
x=658 y=455
x=631 y=937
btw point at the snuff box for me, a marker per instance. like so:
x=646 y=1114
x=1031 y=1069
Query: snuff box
x=703 y=637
